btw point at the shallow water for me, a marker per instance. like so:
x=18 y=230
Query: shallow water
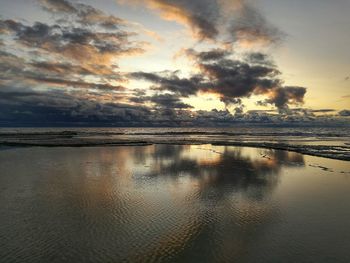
x=330 y=142
x=172 y=203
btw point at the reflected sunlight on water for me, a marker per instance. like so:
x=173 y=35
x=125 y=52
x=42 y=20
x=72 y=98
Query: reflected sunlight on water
x=182 y=203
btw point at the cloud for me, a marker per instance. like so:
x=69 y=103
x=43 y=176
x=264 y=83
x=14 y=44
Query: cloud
x=84 y=14
x=170 y=101
x=27 y=106
x=236 y=21
x=80 y=52
x=19 y=71
x=84 y=40
x=170 y=81
x=252 y=172
x=233 y=79
x=230 y=79
x=236 y=79
x=250 y=28
x=210 y=55
x=61 y=68
x=259 y=58
x=79 y=44
x=67 y=71
x=201 y=16
x=10 y=64
x=344 y=113
x=281 y=97
x=74 y=83
x=323 y=110
x=58 y=6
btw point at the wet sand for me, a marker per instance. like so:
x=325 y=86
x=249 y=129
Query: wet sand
x=172 y=203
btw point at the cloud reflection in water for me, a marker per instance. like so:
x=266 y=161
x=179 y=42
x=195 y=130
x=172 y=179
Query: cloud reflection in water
x=167 y=202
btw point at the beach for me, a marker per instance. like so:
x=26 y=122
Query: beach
x=199 y=131
x=172 y=203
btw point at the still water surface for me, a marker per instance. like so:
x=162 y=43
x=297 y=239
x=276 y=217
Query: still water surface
x=172 y=203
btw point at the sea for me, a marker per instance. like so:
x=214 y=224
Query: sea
x=174 y=195
x=331 y=142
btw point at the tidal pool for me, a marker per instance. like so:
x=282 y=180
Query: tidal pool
x=172 y=203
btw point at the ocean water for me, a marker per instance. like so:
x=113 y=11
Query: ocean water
x=172 y=203
x=331 y=142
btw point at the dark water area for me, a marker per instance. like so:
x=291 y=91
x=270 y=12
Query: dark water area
x=172 y=203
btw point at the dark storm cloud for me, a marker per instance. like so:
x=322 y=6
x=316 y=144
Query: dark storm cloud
x=257 y=75
x=230 y=79
x=24 y=105
x=170 y=101
x=236 y=79
x=281 y=97
x=230 y=100
x=259 y=59
x=84 y=14
x=170 y=81
x=214 y=116
x=210 y=55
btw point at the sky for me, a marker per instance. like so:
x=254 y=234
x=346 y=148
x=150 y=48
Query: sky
x=174 y=62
